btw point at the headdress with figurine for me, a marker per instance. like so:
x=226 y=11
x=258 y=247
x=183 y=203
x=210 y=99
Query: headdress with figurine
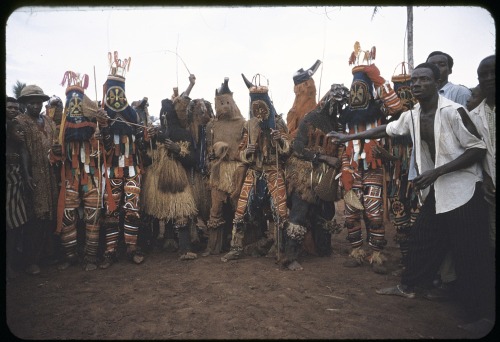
x=362 y=106
x=261 y=106
x=115 y=100
x=76 y=126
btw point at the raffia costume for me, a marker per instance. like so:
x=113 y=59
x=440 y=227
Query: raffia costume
x=122 y=166
x=312 y=185
x=265 y=177
x=223 y=138
x=168 y=193
x=80 y=174
x=362 y=173
x=200 y=112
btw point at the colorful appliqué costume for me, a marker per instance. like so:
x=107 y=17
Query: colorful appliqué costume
x=122 y=166
x=362 y=173
x=80 y=173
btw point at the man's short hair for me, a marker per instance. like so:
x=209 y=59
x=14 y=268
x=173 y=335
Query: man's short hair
x=448 y=57
x=11 y=99
x=434 y=69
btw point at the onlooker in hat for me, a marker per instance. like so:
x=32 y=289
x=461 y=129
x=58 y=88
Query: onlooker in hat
x=40 y=135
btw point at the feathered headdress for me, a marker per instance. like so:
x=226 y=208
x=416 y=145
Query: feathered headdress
x=75 y=81
x=118 y=67
x=360 y=57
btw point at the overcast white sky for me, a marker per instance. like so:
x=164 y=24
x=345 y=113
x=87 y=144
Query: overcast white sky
x=42 y=43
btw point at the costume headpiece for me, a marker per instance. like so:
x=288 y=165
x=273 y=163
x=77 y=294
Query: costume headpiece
x=225 y=107
x=117 y=67
x=75 y=81
x=334 y=100
x=76 y=126
x=402 y=83
x=115 y=100
x=54 y=109
x=360 y=57
x=302 y=75
x=224 y=88
x=261 y=106
x=366 y=79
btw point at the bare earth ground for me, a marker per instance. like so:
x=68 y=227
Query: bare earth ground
x=251 y=298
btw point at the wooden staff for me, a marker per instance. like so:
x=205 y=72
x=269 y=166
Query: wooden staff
x=97 y=131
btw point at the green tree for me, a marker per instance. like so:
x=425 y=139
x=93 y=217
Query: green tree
x=16 y=88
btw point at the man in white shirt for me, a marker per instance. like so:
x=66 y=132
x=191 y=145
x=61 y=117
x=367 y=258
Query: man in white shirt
x=453 y=215
x=445 y=279
x=484 y=118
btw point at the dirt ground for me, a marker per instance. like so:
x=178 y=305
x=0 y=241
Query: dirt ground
x=250 y=298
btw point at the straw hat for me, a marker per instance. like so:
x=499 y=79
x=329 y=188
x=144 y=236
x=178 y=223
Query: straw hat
x=32 y=92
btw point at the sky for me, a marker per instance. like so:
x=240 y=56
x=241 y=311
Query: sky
x=166 y=44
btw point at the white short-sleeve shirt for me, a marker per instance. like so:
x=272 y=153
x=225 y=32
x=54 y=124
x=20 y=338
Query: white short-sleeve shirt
x=452 y=138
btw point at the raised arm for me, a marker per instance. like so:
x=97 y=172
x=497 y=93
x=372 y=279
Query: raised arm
x=192 y=80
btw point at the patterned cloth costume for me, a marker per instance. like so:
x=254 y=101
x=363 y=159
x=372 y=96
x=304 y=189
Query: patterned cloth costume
x=264 y=179
x=122 y=168
x=403 y=200
x=362 y=173
x=80 y=174
x=223 y=138
x=168 y=193
x=311 y=181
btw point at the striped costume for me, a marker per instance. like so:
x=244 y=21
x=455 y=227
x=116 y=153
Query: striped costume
x=80 y=178
x=362 y=174
x=121 y=165
x=15 y=210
